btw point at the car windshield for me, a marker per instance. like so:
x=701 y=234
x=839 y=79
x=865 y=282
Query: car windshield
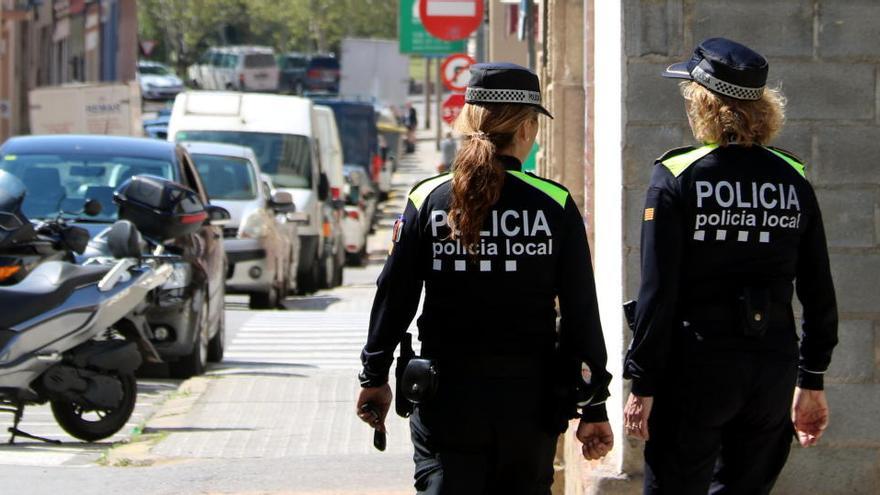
x=154 y=70
x=58 y=183
x=259 y=60
x=324 y=63
x=226 y=177
x=287 y=158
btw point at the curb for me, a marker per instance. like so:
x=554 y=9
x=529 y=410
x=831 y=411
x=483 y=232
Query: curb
x=137 y=451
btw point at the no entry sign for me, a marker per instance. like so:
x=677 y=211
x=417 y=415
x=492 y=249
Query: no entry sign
x=454 y=71
x=451 y=19
x=452 y=106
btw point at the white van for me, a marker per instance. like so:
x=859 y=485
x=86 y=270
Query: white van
x=242 y=68
x=281 y=131
x=330 y=147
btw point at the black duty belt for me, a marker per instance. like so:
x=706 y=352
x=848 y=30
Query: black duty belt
x=493 y=366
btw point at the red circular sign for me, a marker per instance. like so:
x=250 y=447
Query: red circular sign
x=451 y=20
x=454 y=71
x=451 y=107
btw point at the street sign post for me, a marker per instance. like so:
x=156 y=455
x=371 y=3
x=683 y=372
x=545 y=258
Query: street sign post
x=414 y=39
x=451 y=20
x=455 y=71
x=452 y=106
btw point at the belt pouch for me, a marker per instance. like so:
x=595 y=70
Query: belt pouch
x=755 y=307
x=419 y=380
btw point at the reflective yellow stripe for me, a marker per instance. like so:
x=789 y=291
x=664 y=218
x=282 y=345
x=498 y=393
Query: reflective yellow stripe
x=421 y=192
x=679 y=163
x=799 y=167
x=557 y=193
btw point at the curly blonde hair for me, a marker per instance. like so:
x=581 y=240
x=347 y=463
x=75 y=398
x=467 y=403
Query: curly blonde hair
x=723 y=120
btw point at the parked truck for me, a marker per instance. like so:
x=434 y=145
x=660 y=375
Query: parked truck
x=109 y=109
x=374 y=70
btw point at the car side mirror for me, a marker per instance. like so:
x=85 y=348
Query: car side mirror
x=282 y=202
x=124 y=240
x=217 y=215
x=323 y=187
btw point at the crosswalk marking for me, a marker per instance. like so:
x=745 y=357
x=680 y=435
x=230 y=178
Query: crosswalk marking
x=322 y=339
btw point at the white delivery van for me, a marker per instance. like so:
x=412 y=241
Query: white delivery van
x=281 y=131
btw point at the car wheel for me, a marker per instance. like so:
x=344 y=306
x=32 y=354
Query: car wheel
x=308 y=282
x=328 y=270
x=217 y=345
x=194 y=363
x=265 y=300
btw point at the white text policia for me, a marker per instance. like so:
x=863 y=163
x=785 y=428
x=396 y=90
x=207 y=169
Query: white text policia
x=742 y=197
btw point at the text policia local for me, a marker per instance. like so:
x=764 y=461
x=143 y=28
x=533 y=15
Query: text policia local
x=517 y=227
x=778 y=204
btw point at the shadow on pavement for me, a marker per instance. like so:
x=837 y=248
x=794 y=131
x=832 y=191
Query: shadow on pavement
x=311 y=303
x=192 y=429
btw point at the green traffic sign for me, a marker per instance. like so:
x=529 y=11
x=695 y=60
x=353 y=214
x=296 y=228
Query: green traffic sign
x=415 y=39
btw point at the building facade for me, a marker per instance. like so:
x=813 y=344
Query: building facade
x=615 y=114
x=47 y=43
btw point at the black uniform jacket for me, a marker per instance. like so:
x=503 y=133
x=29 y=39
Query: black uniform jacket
x=500 y=301
x=717 y=220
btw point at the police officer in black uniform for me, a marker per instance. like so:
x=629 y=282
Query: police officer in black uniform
x=495 y=248
x=731 y=230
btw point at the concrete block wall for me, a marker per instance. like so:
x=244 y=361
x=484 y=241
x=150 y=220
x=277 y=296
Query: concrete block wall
x=825 y=56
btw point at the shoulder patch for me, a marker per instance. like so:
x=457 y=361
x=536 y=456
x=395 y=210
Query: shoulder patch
x=420 y=191
x=789 y=158
x=555 y=191
x=679 y=162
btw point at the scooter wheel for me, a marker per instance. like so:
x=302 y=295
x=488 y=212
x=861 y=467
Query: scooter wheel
x=93 y=425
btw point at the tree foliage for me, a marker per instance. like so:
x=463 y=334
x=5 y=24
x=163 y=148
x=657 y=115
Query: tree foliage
x=185 y=28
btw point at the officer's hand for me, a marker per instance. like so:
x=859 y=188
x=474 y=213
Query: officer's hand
x=597 y=438
x=809 y=413
x=380 y=400
x=635 y=416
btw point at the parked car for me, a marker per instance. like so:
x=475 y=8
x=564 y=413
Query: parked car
x=158 y=81
x=323 y=74
x=281 y=131
x=242 y=68
x=293 y=72
x=257 y=251
x=360 y=192
x=187 y=320
x=157 y=128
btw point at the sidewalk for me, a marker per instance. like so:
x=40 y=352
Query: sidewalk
x=263 y=427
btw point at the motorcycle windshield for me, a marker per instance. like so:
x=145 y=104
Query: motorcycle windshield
x=12 y=193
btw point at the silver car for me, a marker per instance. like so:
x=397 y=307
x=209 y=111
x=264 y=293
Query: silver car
x=258 y=248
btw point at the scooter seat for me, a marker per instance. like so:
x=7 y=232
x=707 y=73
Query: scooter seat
x=45 y=288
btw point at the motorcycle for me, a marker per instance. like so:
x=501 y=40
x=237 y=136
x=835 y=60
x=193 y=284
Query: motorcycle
x=70 y=333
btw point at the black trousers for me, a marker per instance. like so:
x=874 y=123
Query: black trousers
x=722 y=424
x=484 y=436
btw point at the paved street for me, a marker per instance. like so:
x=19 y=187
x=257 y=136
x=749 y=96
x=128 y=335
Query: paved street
x=277 y=416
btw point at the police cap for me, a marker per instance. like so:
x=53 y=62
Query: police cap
x=725 y=67
x=504 y=83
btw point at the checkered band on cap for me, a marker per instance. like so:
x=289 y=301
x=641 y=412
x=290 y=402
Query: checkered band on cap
x=480 y=95
x=725 y=88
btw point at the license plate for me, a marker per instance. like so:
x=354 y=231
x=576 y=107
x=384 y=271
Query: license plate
x=261 y=76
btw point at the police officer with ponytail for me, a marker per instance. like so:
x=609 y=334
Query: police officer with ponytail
x=731 y=231
x=501 y=254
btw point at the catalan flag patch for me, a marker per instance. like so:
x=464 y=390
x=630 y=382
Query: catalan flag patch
x=649 y=214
